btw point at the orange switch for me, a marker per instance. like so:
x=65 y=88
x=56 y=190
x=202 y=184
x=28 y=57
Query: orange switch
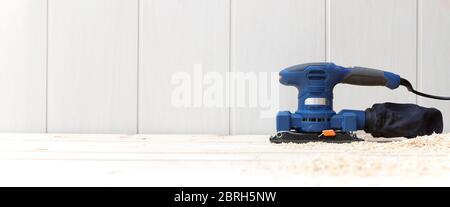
x=329 y=133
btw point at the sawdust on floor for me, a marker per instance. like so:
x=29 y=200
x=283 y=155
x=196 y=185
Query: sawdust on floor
x=426 y=156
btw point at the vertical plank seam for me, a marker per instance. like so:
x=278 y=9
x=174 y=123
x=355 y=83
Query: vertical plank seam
x=327 y=31
x=138 y=59
x=418 y=48
x=230 y=19
x=46 y=65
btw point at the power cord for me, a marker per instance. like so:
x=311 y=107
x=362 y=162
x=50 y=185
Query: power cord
x=410 y=88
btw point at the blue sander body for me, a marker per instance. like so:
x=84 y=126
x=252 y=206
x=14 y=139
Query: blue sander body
x=315 y=119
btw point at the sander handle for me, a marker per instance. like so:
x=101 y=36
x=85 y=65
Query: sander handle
x=374 y=77
x=371 y=77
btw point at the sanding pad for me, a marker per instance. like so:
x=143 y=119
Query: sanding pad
x=295 y=137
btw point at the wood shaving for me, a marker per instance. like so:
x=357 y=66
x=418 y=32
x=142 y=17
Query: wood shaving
x=426 y=156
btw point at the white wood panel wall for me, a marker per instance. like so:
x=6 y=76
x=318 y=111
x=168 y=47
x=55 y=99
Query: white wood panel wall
x=92 y=69
x=23 y=65
x=266 y=39
x=434 y=61
x=175 y=36
x=107 y=66
x=373 y=33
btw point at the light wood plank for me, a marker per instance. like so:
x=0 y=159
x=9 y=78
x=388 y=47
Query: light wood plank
x=378 y=34
x=268 y=36
x=23 y=65
x=115 y=160
x=434 y=55
x=92 y=75
x=174 y=36
x=87 y=145
x=186 y=173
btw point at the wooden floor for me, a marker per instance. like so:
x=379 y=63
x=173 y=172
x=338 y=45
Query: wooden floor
x=177 y=160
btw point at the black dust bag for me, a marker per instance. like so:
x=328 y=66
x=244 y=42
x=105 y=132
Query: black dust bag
x=402 y=120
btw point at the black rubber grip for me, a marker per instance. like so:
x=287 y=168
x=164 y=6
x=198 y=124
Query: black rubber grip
x=365 y=77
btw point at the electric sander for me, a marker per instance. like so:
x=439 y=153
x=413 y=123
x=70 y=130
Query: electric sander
x=315 y=119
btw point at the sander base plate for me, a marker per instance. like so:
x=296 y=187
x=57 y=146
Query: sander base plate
x=297 y=137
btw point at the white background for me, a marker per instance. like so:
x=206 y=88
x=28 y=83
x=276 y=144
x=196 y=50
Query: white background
x=104 y=66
